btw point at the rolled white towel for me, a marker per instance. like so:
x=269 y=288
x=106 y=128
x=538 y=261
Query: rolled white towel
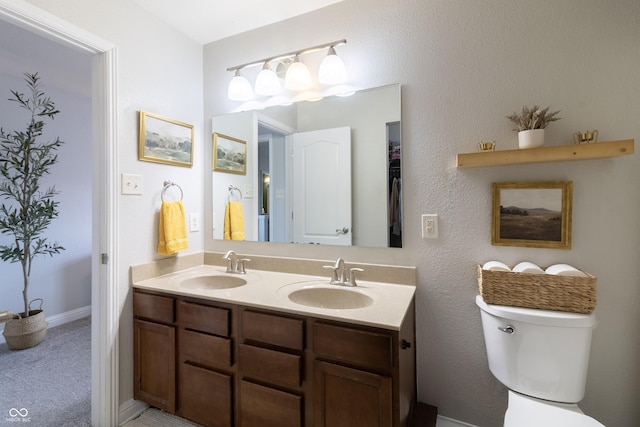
x=495 y=266
x=564 y=270
x=527 y=267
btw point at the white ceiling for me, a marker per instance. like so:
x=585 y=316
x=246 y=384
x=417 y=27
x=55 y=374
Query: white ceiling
x=206 y=21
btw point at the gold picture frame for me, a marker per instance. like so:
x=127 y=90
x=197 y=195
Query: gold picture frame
x=163 y=140
x=532 y=214
x=229 y=154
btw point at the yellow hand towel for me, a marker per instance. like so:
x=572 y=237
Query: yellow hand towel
x=172 y=229
x=233 y=221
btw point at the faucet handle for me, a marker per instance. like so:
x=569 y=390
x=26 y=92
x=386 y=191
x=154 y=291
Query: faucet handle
x=231 y=261
x=352 y=275
x=334 y=273
x=240 y=266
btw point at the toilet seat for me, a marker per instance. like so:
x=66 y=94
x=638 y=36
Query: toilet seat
x=525 y=411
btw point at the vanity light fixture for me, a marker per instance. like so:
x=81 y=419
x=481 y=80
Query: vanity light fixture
x=332 y=70
x=267 y=82
x=297 y=77
x=239 y=88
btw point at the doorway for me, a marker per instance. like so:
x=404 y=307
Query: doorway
x=104 y=292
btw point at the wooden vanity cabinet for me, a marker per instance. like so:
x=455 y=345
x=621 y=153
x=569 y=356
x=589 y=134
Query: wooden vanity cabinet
x=363 y=375
x=227 y=365
x=154 y=351
x=271 y=369
x=205 y=360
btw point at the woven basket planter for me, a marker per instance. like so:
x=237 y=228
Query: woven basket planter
x=542 y=291
x=25 y=332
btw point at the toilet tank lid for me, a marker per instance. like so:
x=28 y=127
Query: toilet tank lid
x=536 y=316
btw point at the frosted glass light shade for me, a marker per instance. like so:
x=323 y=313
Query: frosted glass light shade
x=267 y=82
x=332 y=70
x=298 y=76
x=239 y=88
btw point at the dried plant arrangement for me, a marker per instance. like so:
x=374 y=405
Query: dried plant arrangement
x=533 y=118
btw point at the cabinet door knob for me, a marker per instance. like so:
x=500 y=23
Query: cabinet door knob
x=405 y=344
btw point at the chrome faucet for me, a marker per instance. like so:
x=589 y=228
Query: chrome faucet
x=341 y=275
x=235 y=265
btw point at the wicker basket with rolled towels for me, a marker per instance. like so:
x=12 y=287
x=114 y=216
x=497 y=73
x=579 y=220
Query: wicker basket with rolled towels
x=567 y=291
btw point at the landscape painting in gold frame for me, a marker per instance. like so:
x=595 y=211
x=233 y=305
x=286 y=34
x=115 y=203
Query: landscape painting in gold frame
x=164 y=140
x=532 y=214
x=229 y=154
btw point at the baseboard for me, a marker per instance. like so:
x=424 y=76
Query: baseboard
x=130 y=410
x=60 y=319
x=449 y=422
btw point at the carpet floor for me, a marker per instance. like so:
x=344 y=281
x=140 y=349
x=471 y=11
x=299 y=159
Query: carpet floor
x=49 y=385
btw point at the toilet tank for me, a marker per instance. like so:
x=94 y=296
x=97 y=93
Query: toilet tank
x=540 y=353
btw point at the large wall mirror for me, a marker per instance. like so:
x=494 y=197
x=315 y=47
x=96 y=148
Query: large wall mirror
x=323 y=172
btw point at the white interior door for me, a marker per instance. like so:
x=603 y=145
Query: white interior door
x=322 y=186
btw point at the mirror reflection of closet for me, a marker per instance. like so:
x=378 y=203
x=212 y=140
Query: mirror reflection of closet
x=395 y=184
x=263 y=189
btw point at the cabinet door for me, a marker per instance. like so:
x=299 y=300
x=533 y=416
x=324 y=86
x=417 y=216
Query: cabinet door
x=206 y=396
x=346 y=397
x=155 y=364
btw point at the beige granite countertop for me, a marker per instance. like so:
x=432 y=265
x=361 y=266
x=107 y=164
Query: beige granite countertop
x=270 y=289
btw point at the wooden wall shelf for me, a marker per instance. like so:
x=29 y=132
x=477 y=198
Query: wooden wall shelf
x=562 y=153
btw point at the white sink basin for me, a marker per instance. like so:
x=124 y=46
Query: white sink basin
x=209 y=282
x=330 y=296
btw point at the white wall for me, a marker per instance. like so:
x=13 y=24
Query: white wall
x=464 y=66
x=160 y=71
x=64 y=280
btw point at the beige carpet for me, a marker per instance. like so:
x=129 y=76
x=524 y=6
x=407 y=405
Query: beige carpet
x=156 y=418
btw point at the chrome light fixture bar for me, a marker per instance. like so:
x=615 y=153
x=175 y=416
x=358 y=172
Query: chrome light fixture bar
x=298 y=78
x=288 y=55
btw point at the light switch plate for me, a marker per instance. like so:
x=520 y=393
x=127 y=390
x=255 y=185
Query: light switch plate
x=194 y=222
x=131 y=184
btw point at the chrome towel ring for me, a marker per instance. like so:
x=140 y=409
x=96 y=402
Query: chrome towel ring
x=232 y=189
x=167 y=185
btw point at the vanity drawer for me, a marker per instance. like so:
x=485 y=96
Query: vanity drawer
x=203 y=318
x=203 y=349
x=205 y=397
x=153 y=307
x=354 y=346
x=272 y=329
x=271 y=366
x=266 y=407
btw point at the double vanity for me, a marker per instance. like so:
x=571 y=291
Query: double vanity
x=277 y=346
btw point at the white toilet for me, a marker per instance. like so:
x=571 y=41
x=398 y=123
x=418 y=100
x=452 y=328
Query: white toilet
x=542 y=357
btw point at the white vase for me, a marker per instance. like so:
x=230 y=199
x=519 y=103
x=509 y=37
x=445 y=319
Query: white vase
x=531 y=138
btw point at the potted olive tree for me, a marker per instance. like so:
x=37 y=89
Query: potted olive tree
x=530 y=125
x=27 y=209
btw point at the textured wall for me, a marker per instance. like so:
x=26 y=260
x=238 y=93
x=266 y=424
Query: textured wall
x=464 y=66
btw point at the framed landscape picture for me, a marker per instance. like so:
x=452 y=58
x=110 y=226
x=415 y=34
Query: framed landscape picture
x=229 y=154
x=164 y=140
x=532 y=214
